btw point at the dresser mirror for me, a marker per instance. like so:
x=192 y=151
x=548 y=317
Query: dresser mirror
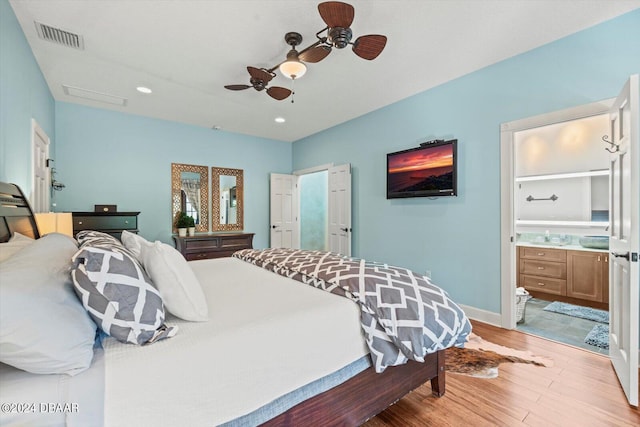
x=227 y=199
x=190 y=194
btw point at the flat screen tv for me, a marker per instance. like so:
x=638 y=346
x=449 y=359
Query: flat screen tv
x=426 y=171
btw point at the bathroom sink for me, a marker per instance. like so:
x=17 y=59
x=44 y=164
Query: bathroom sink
x=594 y=242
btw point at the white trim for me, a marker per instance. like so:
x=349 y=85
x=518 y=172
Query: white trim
x=313 y=169
x=481 y=315
x=507 y=179
x=33 y=197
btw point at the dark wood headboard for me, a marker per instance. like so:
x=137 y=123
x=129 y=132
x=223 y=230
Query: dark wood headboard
x=15 y=213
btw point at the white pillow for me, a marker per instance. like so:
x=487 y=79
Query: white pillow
x=169 y=271
x=15 y=243
x=43 y=327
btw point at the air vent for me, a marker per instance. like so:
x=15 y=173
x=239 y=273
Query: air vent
x=94 y=96
x=56 y=35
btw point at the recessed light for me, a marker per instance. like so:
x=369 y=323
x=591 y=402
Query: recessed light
x=280 y=120
x=143 y=89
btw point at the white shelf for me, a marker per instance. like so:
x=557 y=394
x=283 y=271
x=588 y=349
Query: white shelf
x=599 y=224
x=604 y=172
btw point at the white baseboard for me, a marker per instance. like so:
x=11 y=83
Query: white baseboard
x=484 y=316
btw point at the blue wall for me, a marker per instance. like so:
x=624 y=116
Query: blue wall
x=24 y=95
x=107 y=157
x=458 y=238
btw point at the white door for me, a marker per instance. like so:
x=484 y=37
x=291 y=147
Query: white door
x=284 y=211
x=624 y=217
x=41 y=190
x=340 y=209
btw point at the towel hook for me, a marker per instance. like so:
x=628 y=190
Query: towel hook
x=616 y=147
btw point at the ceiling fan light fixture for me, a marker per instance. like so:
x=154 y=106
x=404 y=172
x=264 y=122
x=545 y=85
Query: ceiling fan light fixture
x=292 y=67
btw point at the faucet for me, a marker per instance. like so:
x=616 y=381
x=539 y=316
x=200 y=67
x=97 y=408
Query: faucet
x=547 y=236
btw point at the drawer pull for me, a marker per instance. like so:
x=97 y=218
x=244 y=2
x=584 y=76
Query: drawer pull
x=126 y=222
x=540 y=253
x=80 y=222
x=540 y=284
x=540 y=268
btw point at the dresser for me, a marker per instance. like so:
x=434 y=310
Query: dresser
x=219 y=245
x=112 y=223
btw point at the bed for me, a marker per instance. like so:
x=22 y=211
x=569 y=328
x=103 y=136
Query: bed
x=270 y=350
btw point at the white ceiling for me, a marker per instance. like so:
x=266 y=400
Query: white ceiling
x=187 y=50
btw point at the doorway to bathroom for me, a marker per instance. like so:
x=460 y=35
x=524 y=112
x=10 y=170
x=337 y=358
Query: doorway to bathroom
x=561 y=217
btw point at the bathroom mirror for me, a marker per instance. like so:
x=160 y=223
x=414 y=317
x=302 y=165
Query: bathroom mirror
x=227 y=199
x=190 y=194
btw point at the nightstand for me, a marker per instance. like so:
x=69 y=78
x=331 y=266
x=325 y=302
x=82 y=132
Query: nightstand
x=112 y=223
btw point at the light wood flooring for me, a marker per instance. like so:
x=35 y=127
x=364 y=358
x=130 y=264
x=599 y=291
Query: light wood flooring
x=581 y=389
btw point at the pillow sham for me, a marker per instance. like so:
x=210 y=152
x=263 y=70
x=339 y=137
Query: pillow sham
x=117 y=293
x=15 y=243
x=169 y=271
x=43 y=327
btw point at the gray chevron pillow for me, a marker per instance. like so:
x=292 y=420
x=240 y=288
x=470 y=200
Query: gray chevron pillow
x=117 y=293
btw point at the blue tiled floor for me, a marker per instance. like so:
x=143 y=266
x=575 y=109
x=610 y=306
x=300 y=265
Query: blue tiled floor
x=557 y=327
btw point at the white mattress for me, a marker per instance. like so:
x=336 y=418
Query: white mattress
x=267 y=335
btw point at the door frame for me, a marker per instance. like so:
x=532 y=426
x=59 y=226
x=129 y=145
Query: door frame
x=507 y=221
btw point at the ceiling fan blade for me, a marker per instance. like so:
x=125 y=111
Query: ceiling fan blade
x=336 y=14
x=279 y=93
x=237 y=87
x=259 y=74
x=316 y=54
x=369 y=47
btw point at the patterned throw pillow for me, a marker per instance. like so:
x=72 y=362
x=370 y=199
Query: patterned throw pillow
x=116 y=291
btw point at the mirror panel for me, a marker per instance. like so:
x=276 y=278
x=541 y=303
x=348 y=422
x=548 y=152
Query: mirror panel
x=190 y=193
x=227 y=199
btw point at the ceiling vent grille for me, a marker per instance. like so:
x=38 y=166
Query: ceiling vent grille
x=62 y=37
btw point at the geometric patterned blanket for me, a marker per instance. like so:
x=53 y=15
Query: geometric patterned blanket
x=403 y=315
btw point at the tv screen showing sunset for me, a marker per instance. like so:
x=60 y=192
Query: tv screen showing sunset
x=427 y=169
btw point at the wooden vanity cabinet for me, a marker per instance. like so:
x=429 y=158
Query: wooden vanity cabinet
x=586 y=275
x=573 y=276
x=543 y=270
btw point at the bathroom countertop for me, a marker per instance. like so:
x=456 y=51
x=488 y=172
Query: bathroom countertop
x=566 y=247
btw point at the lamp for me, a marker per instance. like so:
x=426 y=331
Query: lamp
x=54 y=222
x=292 y=67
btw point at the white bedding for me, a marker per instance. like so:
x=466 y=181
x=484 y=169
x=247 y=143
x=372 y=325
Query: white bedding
x=54 y=399
x=267 y=335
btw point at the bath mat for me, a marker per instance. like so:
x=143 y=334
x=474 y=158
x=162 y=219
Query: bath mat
x=598 y=336
x=577 y=311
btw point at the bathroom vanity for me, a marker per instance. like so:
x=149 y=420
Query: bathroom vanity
x=570 y=274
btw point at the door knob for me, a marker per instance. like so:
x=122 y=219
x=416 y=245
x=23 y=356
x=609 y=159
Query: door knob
x=274 y=226
x=625 y=255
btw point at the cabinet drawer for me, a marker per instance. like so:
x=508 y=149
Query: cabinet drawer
x=208 y=255
x=105 y=222
x=543 y=253
x=194 y=244
x=236 y=242
x=557 y=270
x=544 y=284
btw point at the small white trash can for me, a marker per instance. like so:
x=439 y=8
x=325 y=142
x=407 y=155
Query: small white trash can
x=522 y=296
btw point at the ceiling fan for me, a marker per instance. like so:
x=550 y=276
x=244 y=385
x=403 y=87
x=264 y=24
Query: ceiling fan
x=338 y=17
x=259 y=80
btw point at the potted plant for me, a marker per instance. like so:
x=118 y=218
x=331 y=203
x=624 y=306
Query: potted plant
x=182 y=223
x=191 y=225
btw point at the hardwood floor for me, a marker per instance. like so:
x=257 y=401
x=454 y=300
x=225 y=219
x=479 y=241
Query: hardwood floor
x=581 y=389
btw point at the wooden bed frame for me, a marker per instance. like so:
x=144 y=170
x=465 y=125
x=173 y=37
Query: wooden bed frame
x=348 y=404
